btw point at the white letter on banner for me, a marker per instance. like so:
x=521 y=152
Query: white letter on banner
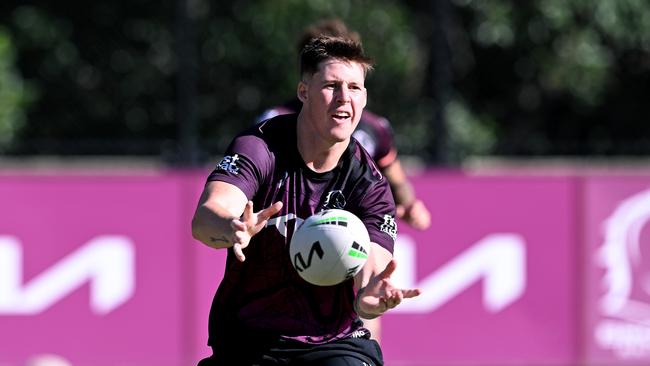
x=106 y=261
x=498 y=259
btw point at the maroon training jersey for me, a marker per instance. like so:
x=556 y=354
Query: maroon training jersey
x=265 y=294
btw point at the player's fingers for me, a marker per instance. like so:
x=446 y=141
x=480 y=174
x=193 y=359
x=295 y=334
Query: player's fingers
x=260 y=225
x=239 y=253
x=394 y=298
x=266 y=213
x=383 y=304
x=237 y=225
x=407 y=294
x=248 y=211
x=399 y=296
x=242 y=238
x=391 y=303
x=390 y=268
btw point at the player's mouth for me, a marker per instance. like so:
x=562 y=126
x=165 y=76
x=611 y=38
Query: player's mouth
x=341 y=116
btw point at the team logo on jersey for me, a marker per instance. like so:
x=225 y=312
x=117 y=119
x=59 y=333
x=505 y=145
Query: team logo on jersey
x=389 y=226
x=229 y=164
x=334 y=199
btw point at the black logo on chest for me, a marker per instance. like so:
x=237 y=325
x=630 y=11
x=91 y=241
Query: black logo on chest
x=334 y=199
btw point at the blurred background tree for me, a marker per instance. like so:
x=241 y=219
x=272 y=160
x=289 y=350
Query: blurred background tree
x=14 y=92
x=559 y=77
x=460 y=78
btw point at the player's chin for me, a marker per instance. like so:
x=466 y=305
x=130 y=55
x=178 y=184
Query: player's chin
x=342 y=132
x=335 y=139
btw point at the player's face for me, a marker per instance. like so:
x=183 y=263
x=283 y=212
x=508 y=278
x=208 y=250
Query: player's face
x=333 y=99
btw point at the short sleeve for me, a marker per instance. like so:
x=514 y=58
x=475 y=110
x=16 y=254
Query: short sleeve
x=246 y=164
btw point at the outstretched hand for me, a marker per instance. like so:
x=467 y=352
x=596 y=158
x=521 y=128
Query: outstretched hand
x=250 y=224
x=380 y=295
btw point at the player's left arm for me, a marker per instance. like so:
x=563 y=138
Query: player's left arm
x=376 y=293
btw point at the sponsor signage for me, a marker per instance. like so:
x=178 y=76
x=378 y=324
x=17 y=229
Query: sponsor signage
x=617 y=235
x=92 y=270
x=102 y=270
x=498 y=271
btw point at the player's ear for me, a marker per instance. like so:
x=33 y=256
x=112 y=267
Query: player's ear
x=302 y=91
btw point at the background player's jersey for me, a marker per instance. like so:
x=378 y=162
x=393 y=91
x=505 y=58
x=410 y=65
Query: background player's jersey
x=264 y=294
x=373 y=132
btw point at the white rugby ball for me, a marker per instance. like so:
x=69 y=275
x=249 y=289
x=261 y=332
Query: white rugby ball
x=329 y=247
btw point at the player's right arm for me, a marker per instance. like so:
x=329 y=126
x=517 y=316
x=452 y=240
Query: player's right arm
x=219 y=204
x=225 y=218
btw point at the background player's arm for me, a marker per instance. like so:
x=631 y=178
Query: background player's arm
x=409 y=207
x=403 y=191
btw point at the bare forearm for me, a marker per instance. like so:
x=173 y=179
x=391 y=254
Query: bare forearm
x=213 y=227
x=403 y=193
x=379 y=258
x=219 y=204
x=360 y=312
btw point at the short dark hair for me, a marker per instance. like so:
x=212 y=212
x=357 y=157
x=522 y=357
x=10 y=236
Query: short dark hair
x=322 y=48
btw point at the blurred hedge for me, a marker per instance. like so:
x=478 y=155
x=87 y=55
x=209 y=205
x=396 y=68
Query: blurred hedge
x=504 y=77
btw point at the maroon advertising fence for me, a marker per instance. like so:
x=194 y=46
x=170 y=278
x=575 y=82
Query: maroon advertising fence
x=101 y=269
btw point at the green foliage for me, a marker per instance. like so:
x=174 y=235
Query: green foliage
x=568 y=50
x=250 y=50
x=15 y=94
x=572 y=65
x=541 y=77
x=472 y=135
x=103 y=75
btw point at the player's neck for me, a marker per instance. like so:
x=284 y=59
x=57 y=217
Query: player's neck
x=318 y=154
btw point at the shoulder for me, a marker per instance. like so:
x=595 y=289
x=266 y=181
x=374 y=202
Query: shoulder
x=265 y=138
x=375 y=122
x=276 y=128
x=375 y=128
x=273 y=134
x=286 y=108
x=362 y=163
